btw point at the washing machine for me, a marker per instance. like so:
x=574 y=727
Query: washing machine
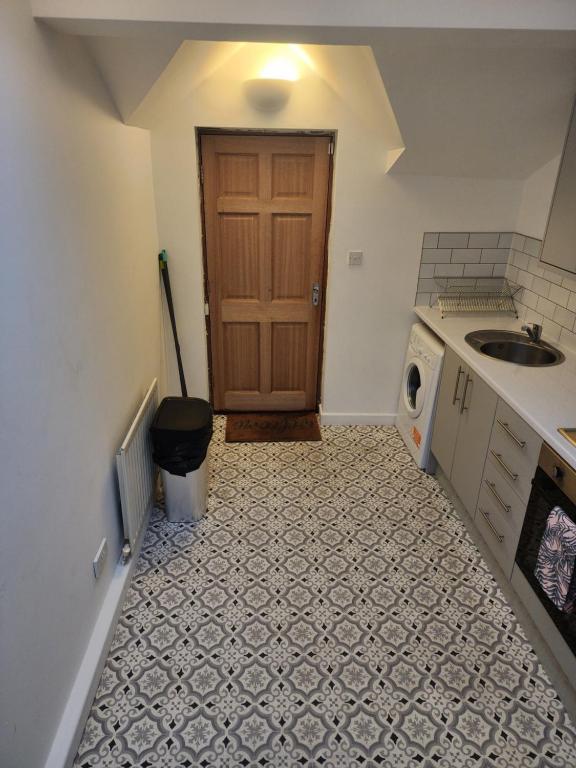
x=420 y=382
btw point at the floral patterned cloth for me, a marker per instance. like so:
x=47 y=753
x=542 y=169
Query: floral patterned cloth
x=555 y=567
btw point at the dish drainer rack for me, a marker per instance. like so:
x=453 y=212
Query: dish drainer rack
x=484 y=295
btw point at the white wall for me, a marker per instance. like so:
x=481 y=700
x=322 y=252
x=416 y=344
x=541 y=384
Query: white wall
x=80 y=341
x=536 y=199
x=369 y=308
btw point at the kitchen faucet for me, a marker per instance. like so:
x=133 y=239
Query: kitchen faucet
x=533 y=330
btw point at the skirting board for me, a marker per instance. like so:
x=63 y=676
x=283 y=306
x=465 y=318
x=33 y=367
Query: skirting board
x=69 y=733
x=353 y=419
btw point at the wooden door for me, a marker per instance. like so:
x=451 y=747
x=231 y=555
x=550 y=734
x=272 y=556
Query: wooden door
x=265 y=208
x=448 y=410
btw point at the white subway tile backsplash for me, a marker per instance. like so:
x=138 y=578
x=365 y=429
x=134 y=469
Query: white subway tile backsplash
x=529 y=298
x=564 y=317
x=484 y=239
x=568 y=339
x=453 y=240
x=499 y=270
x=518 y=241
x=535 y=268
x=525 y=279
x=478 y=270
x=427 y=286
x=553 y=277
x=546 y=307
x=569 y=282
x=466 y=255
x=521 y=260
x=494 y=255
x=423 y=299
x=559 y=295
x=541 y=286
x=448 y=270
x=505 y=240
x=436 y=255
x=532 y=246
x=551 y=330
x=512 y=272
x=471 y=259
x=531 y=316
x=426 y=270
x=430 y=240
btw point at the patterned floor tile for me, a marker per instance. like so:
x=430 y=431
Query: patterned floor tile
x=330 y=610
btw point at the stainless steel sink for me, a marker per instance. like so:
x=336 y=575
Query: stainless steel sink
x=514 y=348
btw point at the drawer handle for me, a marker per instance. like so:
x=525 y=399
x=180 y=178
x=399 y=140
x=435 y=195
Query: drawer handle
x=505 y=467
x=506 y=428
x=486 y=517
x=499 y=499
x=455 y=397
x=463 y=406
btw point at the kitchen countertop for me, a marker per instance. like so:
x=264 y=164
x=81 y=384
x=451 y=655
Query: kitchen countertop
x=544 y=397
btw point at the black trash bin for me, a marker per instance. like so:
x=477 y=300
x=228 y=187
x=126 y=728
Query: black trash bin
x=181 y=434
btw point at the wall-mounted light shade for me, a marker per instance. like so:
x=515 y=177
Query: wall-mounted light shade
x=268 y=94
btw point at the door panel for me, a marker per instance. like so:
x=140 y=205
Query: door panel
x=239 y=252
x=478 y=407
x=265 y=207
x=289 y=348
x=290 y=246
x=242 y=343
x=448 y=410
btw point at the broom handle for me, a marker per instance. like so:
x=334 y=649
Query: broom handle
x=163 y=258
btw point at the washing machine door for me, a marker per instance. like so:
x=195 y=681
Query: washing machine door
x=414 y=387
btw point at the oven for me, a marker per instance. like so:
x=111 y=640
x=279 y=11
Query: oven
x=554 y=485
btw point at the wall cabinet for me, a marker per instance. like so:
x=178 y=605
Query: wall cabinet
x=558 y=247
x=462 y=427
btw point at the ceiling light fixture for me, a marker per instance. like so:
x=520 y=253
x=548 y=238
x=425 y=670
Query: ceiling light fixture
x=271 y=90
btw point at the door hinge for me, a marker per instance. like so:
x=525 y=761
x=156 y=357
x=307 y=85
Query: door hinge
x=206 y=309
x=331 y=148
x=202 y=175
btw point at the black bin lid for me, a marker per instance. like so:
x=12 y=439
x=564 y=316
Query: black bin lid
x=182 y=414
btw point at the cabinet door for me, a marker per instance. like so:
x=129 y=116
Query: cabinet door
x=478 y=406
x=448 y=410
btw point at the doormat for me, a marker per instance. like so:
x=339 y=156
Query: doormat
x=272 y=427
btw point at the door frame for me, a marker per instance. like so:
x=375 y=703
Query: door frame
x=328 y=133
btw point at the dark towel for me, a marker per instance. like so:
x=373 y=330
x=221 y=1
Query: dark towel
x=557 y=559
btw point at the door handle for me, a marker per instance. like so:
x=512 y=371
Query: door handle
x=512 y=475
x=315 y=294
x=499 y=499
x=463 y=406
x=490 y=524
x=455 y=397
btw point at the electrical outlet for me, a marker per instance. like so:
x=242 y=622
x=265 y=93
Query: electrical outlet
x=355 y=258
x=100 y=559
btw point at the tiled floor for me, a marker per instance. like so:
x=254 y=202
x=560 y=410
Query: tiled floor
x=331 y=610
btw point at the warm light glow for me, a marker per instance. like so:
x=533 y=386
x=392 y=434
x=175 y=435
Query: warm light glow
x=302 y=55
x=279 y=68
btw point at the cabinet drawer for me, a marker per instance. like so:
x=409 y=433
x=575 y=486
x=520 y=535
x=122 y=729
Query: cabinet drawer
x=497 y=531
x=514 y=449
x=504 y=501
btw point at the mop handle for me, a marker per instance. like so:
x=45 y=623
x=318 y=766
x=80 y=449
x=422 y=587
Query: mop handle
x=163 y=259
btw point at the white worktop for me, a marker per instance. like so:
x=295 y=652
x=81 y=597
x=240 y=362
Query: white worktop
x=544 y=397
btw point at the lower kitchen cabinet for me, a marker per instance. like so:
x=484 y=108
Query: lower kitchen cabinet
x=488 y=453
x=462 y=427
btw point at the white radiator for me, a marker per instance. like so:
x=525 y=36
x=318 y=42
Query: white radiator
x=136 y=469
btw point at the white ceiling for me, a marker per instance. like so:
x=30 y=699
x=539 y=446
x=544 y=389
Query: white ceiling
x=491 y=102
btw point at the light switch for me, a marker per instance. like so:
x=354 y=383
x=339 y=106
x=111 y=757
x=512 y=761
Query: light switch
x=355 y=258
